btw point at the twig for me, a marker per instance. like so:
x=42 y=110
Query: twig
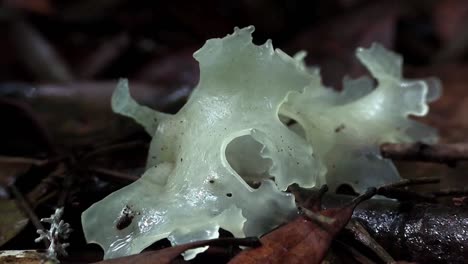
x=31 y=161
x=27 y=209
x=48 y=196
x=395 y=191
x=405 y=195
x=113 y=175
x=113 y=147
x=358 y=256
x=451 y=192
x=37 y=53
x=409 y=182
x=103 y=56
x=365 y=196
x=361 y=235
x=66 y=186
x=439 y=153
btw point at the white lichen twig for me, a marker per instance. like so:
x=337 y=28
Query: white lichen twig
x=58 y=232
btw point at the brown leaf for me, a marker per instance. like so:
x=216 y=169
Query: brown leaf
x=304 y=240
x=12 y=220
x=167 y=255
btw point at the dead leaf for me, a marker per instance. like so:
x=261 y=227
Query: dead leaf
x=12 y=220
x=167 y=255
x=304 y=240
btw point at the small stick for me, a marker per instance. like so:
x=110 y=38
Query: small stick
x=439 y=153
x=395 y=191
x=30 y=161
x=361 y=235
x=27 y=209
x=65 y=190
x=113 y=147
x=405 y=195
x=113 y=175
x=409 y=182
x=358 y=256
x=103 y=56
x=451 y=192
x=38 y=54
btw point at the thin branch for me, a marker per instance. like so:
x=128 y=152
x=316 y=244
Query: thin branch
x=358 y=256
x=29 y=161
x=27 y=209
x=406 y=195
x=114 y=147
x=439 y=153
x=451 y=192
x=38 y=54
x=395 y=190
x=409 y=182
x=113 y=175
x=103 y=56
x=361 y=234
x=65 y=190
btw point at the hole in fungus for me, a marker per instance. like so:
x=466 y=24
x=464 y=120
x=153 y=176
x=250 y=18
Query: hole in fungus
x=346 y=189
x=293 y=125
x=244 y=156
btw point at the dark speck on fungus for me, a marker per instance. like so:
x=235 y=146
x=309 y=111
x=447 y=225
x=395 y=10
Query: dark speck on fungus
x=125 y=218
x=339 y=128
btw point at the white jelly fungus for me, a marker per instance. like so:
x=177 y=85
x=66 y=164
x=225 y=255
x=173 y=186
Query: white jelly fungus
x=226 y=158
